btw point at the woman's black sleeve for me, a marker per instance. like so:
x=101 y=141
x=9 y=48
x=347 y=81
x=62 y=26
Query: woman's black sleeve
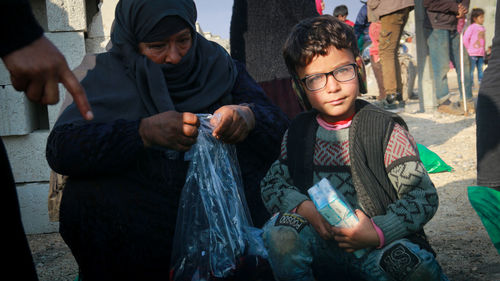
x=93 y=148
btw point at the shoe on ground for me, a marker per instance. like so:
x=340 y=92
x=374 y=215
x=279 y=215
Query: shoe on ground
x=390 y=98
x=384 y=104
x=413 y=96
x=449 y=107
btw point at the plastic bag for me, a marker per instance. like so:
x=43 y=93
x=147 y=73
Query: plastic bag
x=432 y=162
x=486 y=202
x=214 y=228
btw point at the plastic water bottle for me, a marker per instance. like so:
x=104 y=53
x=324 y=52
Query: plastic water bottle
x=332 y=205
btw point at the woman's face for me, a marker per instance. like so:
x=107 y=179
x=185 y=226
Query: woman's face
x=170 y=50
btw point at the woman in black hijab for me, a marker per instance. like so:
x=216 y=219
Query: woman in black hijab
x=126 y=167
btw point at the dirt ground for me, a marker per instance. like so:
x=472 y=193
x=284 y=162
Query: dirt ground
x=456 y=232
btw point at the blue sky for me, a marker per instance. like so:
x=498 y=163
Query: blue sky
x=215 y=15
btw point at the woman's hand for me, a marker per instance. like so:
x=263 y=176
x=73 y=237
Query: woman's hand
x=363 y=235
x=318 y=222
x=171 y=129
x=232 y=123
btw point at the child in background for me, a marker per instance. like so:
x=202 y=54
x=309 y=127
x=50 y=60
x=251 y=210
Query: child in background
x=320 y=6
x=341 y=12
x=474 y=42
x=365 y=152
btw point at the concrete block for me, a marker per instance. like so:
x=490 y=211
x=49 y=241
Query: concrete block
x=34 y=211
x=40 y=12
x=103 y=20
x=96 y=45
x=27 y=156
x=17 y=113
x=4 y=75
x=66 y=15
x=71 y=45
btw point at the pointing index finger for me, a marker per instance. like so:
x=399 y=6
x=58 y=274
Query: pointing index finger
x=76 y=90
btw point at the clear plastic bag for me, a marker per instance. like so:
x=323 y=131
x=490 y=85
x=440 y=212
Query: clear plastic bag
x=214 y=228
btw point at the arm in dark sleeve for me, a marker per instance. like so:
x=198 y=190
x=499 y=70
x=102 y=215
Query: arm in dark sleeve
x=270 y=121
x=442 y=6
x=18 y=26
x=93 y=148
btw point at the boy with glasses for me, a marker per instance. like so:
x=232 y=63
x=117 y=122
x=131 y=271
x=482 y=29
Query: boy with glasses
x=366 y=153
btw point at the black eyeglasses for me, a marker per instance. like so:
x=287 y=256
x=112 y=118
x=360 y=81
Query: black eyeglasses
x=315 y=82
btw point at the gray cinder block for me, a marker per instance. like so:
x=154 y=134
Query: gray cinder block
x=34 y=211
x=17 y=113
x=27 y=156
x=70 y=44
x=66 y=15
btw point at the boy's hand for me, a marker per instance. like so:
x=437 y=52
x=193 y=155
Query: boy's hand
x=318 y=222
x=363 y=235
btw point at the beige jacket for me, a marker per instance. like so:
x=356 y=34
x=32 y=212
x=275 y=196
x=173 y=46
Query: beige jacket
x=379 y=8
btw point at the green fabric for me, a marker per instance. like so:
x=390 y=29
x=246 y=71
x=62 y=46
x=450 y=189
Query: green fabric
x=486 y=202
x=432 y=162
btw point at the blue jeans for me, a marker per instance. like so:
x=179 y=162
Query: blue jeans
x=444 y=46
x=476 y=62
x=297 y=252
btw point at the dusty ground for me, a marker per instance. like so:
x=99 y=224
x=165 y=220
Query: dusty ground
x=456 y=233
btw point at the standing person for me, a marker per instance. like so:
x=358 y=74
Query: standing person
x=393 y=16
x=441 y=18
x=349 y=142
x=320 y=6
x=361 y=27
x=341 y=12
x=126 y=168
x=36 y=67
x=474 y=42
x=374 y=32
x=488 y=143
x=258 y=31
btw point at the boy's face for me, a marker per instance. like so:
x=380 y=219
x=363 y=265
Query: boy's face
x=335 y=101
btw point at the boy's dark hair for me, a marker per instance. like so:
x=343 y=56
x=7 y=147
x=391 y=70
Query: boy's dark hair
x=476 y=12
x=313 y=37
x=340 y=10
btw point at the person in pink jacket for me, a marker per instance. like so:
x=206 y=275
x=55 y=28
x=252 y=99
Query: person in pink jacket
x=474 y=42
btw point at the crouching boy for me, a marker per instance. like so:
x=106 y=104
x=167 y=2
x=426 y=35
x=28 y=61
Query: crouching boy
x=366 y=153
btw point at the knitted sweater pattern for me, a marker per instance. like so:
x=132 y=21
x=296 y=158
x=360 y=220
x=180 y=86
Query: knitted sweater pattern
x=417 y=201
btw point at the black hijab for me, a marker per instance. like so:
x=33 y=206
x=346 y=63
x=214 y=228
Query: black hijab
x=203 y=76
